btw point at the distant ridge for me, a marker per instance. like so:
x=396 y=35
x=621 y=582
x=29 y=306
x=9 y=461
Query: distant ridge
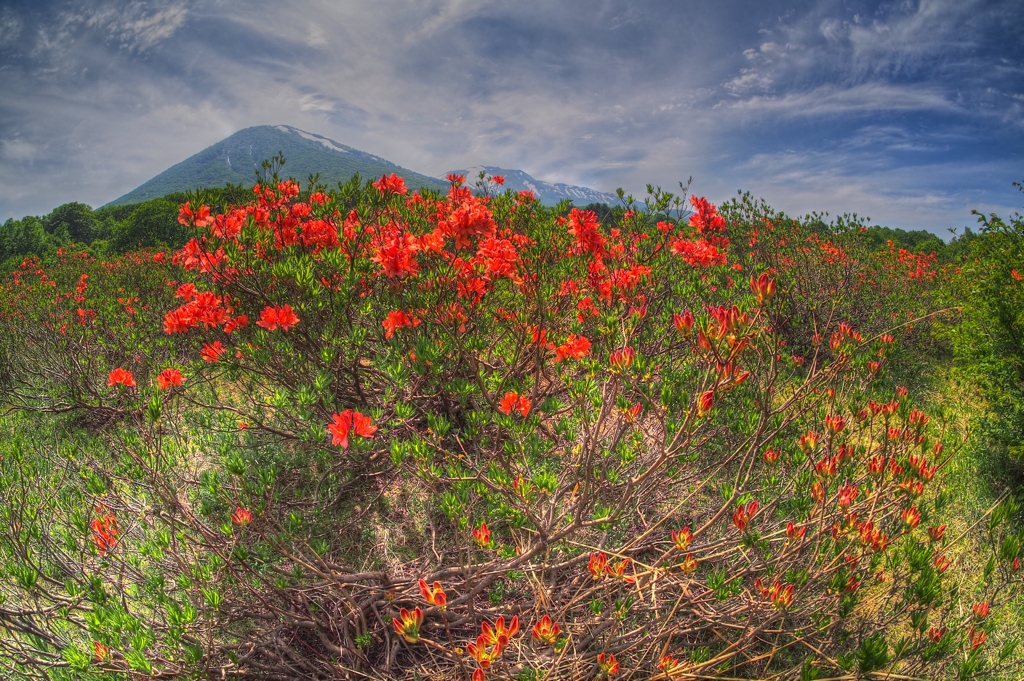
x=236 y=158
x=546 y=192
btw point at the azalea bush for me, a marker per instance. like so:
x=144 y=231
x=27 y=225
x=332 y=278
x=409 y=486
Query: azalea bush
x=67 y=325
x=391 y=434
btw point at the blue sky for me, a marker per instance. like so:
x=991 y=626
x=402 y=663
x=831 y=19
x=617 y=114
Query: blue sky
x=909 y=112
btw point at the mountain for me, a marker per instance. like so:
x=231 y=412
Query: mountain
x=546 y=192
x=236 y=158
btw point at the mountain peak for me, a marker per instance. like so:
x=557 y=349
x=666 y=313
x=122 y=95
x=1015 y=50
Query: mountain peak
x=546 y=192
x=237 y=158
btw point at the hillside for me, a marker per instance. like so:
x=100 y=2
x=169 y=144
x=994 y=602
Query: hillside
x=235 y=159
x=547 y=192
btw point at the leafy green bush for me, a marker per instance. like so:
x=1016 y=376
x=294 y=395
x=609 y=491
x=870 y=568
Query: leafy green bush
x=989 y=338
x=377 y=434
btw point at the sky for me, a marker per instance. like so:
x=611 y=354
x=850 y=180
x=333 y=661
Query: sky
x=911 y=113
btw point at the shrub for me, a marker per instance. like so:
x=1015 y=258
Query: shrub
x=467 y=436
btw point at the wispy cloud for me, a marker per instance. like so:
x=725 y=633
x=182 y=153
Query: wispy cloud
x=102 y=94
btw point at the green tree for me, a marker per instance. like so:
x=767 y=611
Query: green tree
x=153 y=223
x=76 y=218
x=19 y=238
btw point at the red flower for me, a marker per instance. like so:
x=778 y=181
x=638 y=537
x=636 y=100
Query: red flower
x=705 y=217
x=621 y=359
x=434 y=595
x=514 y=402
x=273 y=317
x=980 y=610
x=847 y=495
x=120 y=376
x=398 y=319
x=409 y=626
x=682 y=538
x=350 y=421
x=597 y=565
x=763 y=287
x=584 y=226
x=169 y=378
x=575 y=347
x=546 y=631
x=683 y=322
x=101 y=651
x=742 y=517
x=608 y=664
x=391 y=183
x=482 y=535
x=197 y=217
x=705 y=402
x=241 y=516
x=104 y=531
x=211 y=352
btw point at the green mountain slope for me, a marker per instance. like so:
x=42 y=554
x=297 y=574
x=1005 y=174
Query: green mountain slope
x=236 y=158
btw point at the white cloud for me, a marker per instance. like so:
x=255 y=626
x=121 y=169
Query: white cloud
x=831 y=100
x=17 y=150
x=10 y=27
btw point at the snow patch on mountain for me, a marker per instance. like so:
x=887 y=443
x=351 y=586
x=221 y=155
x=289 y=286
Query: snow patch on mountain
x=546 y=192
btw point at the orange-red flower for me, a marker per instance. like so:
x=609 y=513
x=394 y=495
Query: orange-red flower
x=101 y=651
x=681 y=538
x=241 y=516
x=608 y=664
x=104 y=531
x=391 y=183
x=515 y=402
x=621 y=359
x=212 y=352
x=575 y=347
x=835 y=423
x=584 y=226
x=705 y=402
x=347 y=422
x=434 y=595
x=398 y=319
x=847 y=495
x=911 y=516
x=482 y=535
x=980 y=610
x=597 y=565
x=683 y=322
x=120 y=376
x=272 y=318
x=409 y=625
x=169 y=378
x=546 y=631
x=763 y=287
x=743 y=515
